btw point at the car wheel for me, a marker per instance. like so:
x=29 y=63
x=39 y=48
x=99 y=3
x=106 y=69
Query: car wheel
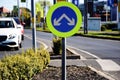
x=20 y=45
x=22 y=37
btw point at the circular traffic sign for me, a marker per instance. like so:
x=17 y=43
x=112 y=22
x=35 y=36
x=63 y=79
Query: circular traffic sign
x=64 y=19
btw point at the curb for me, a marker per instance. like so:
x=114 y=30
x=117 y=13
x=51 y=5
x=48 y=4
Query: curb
x=73 y=55
x=67 y=57
x=101 y=73
x=93 y=69
x=99 y=37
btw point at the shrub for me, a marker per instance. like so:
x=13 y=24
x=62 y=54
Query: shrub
x=103 y=28
x=23 y=66
x=57 y=44
x=110 y=26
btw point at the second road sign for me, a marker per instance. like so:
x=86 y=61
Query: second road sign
x=64 y=19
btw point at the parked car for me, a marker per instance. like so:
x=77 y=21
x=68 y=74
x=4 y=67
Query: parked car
x=20 y=26
x=10 y=35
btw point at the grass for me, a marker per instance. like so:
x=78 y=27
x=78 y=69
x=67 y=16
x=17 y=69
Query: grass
x=108 y=34
x=102 y=34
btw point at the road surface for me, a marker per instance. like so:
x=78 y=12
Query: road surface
x=100 y=53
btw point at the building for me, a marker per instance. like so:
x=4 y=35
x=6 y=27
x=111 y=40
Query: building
x=4 y=11
x=98 y=9
x=108 y=13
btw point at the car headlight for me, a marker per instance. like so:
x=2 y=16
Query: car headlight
x=11 y=36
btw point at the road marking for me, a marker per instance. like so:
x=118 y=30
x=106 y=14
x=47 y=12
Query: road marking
x=108 y=65
x=85 y=52
x=45 y=46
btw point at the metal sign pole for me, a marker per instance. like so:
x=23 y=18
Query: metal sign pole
x=64 y=72
x=33 y=25
x=63 y=58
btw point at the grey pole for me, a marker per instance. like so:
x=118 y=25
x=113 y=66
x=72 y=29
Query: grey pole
x=33 y=25
x=85 y=17
x=63 y=58
x=64 y=71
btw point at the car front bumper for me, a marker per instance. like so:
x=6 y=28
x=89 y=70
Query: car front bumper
x=9 y=44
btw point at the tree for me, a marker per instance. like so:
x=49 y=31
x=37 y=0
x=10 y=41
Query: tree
x=25 y=15
x=15 y=11
x=40 y=11
x=40 y=6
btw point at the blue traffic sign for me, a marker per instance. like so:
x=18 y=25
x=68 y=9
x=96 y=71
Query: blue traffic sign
x=64 y=19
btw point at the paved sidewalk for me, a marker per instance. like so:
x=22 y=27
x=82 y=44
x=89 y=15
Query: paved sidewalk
x=92 y=63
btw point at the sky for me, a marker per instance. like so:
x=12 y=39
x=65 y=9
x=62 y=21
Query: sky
x=10 y=3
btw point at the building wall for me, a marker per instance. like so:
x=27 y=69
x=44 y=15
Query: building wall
x=94 y=24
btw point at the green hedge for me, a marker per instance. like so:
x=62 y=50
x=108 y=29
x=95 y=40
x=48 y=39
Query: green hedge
x=23 y=66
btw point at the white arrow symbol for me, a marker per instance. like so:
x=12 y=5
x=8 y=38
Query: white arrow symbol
x=57 y=22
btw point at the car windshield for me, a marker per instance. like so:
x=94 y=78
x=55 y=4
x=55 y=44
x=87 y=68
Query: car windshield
x=17 y=20
x=6 y=24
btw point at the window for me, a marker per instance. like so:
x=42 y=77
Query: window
x=6 y=24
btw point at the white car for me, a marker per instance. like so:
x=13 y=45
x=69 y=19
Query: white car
x=10 y=35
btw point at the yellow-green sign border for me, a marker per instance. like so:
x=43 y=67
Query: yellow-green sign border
x=49 y=17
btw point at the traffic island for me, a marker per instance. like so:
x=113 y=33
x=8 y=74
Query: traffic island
x=73 y=73
x=75 y=69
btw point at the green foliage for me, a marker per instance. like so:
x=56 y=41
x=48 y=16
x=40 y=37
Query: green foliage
x=110 y=26
x=57 y=45
x=103 y=28
x=40 y=6
x=23 y=66
x=24 y=14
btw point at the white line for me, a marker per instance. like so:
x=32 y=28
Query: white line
x=45 y=46
x=85 y=52
x=106 y=65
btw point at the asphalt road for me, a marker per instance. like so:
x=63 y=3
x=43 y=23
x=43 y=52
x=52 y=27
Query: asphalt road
x=102 y=54
x=104 y=49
